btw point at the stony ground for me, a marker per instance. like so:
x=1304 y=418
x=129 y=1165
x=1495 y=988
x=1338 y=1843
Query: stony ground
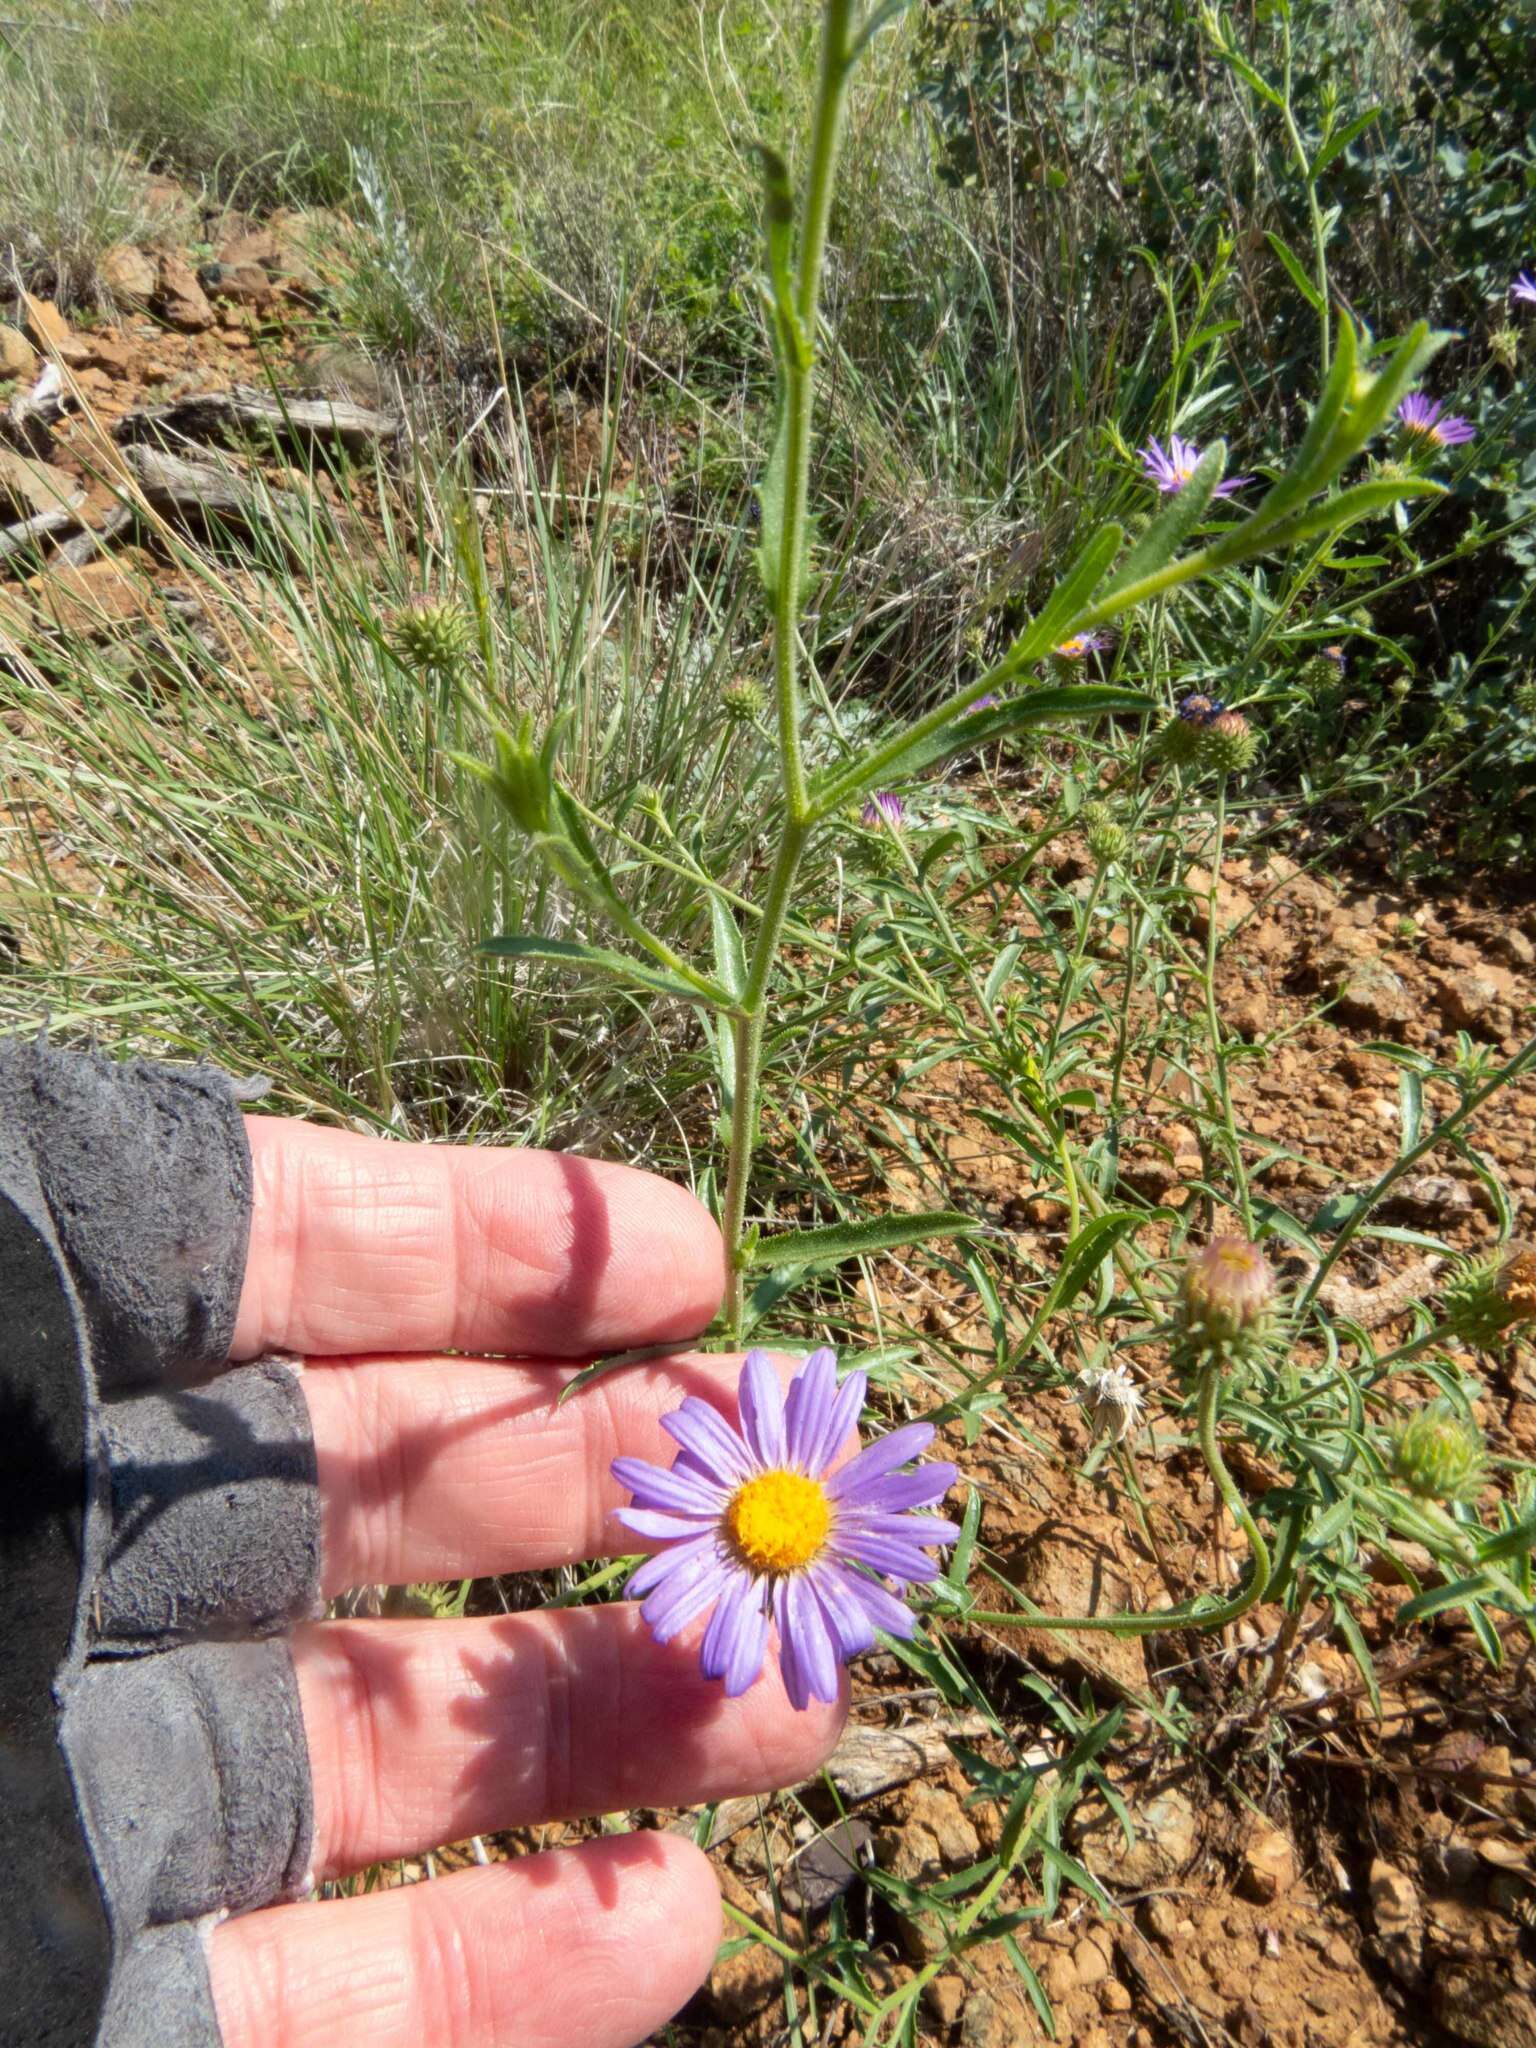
x=1310 y=1872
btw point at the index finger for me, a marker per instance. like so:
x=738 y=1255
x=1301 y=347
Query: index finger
x=364 y=1244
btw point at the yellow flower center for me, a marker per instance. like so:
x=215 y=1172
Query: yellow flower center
x=779 y=1521
x=1070 y=650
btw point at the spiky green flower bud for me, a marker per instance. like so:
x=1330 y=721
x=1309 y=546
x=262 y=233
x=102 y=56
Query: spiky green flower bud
x=1322 y=671
x=1525 y=697
x=742 y=701
x=1485 y=1298
x=1504 y=346
x=430 y=634
x=1438 y=1454
x=1178 y=742
x=1226 y=1302
x=1107 y=838
x=1228 y=743
x=524 y=774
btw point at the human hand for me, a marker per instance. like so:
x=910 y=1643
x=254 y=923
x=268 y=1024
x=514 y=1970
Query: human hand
x=371 y=1260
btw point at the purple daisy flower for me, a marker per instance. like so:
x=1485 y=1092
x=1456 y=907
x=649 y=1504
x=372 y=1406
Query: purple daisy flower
x=885 y=807
x=1524 y=288
x=1172 y=470
x=1080 y=646
x=1426 y=416
x=759 y=1531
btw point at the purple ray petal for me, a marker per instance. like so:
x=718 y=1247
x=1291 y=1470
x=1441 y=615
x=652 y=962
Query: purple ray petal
x=791 y=1666
x=806 y=1621
x=842 y=1418
x=678 y=1557
x=894 y=1491
x=709 y=1441
x=736 y=1636
x=908 y=1527
x=851 y=1629
x=807 y=1405
x=888 y=1556
x=672 y=1606
x=761 y=1401
x=878 y=1458
x=660 y=1528
x=656 y=1487
x=887 y=1613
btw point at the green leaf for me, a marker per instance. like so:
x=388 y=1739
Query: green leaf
x=887 y=12
x=838 y=1241
x=1086 y=1253
x=1438 y=1598
x=1295 y=272
x=1251 y=78
x=1358 y=502
x=1072 y=595
x=1174 y=524
x=1336 y=145
x=517 y=946
x=973 y=729
x=770 y=505
x=1001 y=972
x=730 y=958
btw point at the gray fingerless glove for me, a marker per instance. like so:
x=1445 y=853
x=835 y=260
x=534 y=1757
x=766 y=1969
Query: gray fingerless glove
x=158 y=1519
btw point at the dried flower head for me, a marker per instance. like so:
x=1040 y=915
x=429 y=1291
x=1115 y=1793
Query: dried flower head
x=1487 y=1297
x=884 y=808
x=1112 y=1398
x=430 y=634
x=742 y=701
x=1228 y=743
x=1438 y=1454
x=1227 y=1296
x=1171 y=468
x=1425 y=419
x=761 y=1531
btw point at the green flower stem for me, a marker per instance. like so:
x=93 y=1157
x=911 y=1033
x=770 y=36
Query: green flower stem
x=1193 y=1614
x=1213 y=1022
x=573 y=872
x=800 y=1961
x=798 y=370
x=1436 y=1135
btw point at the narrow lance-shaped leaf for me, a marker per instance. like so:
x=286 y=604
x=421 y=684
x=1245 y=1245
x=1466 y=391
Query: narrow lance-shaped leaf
x=839 y=1241
x=972 y=729
x=1056 y=617
x=599 y=960
x=1173 y=525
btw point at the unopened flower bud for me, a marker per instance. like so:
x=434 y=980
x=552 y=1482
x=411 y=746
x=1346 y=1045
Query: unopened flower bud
x=1228 y=743
x=1178 y=742
x=1107 y=838
x=1228 y=1294
x=1112 y=1398
x=430 y=634
x=1323 y=670
x=1525 y=697
x=1487 y=1297
x=742 y=701
x=1504 y=346
x=1437 y=1454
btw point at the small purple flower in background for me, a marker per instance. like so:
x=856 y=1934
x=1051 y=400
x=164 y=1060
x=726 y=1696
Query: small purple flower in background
x=1524 y=288
x=1337 y=656
x=759 y=1530
x=1199 y=709
x=1080 y=646
x=1173 y=470
x=884 y=808
x=1423 y=416
x=987 y=703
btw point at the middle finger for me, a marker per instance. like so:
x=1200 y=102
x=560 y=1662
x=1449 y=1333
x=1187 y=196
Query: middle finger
x=435 y=1468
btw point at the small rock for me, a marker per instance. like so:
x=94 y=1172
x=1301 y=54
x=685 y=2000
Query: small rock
x=1510 y=945
x=1092 y=1956
x=1398 y=1920
x=1467 y=996
x=1249 y=1016
x=28 y=486
x=1059 y=1977
x=827 y=1866
x=129 y=274
x=44 y=322
x=1269 y=1867
x=1481 y=2005
x=181 y=300
x=1232 y=906
x=1160 y=1918
x=994 y=2020
x=945 y=1999
x=18 y=358
x=259 y=247
x=1167 y=1835
x=1364 y=987
x=243 y=284
x=97 y=352
x=1113 y=1996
